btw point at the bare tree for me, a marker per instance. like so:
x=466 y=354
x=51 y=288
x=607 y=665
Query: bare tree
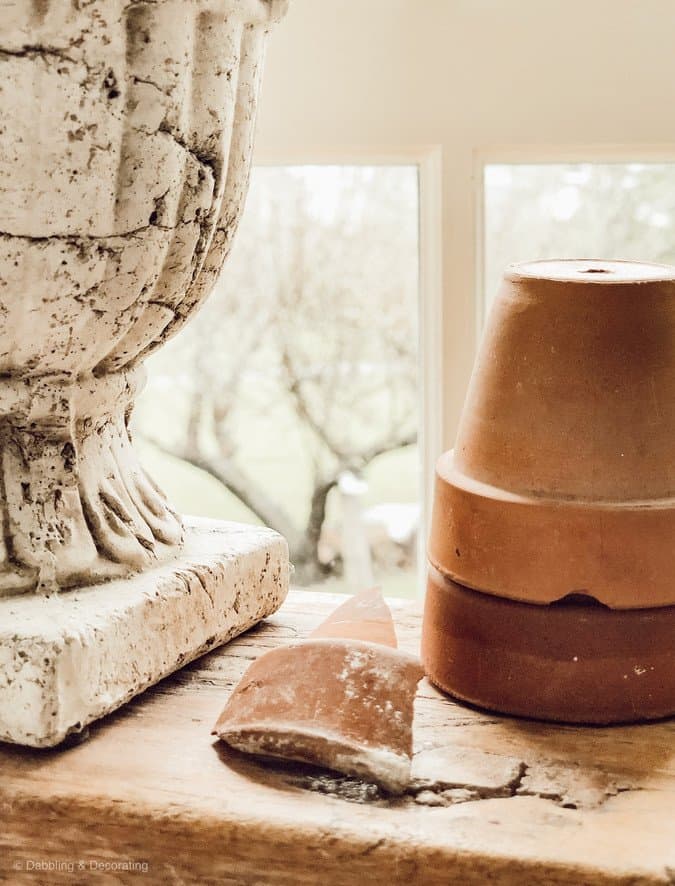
x=315 y=319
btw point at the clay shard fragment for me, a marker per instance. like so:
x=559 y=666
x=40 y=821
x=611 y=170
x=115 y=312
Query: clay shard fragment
x=339 y=700
x=364 y=616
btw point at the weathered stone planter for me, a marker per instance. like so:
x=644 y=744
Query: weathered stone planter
x=124 y=156
x=561 y=487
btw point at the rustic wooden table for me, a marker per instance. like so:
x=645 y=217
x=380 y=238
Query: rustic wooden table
x=151 y=798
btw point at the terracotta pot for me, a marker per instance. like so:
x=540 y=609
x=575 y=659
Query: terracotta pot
x=124 y=158
x=570 y=663
x=562 y=480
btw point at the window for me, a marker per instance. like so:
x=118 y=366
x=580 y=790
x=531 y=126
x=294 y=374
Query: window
x=293 y=398
x=576 y=210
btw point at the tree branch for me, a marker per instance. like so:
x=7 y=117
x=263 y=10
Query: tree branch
x=387 y=445
x=246 y=490
x=302 y=407
x=317 y=511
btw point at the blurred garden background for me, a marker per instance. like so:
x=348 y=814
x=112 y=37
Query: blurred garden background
x=577 y=210
x=293 y=398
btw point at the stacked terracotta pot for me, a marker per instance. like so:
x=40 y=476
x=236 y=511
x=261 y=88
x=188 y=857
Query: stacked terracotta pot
x=552 y=552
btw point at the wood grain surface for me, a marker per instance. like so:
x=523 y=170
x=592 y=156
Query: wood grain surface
x=150 y=797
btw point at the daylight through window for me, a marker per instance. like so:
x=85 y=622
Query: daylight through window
x=292 y=398
x=577 y=210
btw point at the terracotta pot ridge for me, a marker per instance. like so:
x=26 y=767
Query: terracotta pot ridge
x=562 y=479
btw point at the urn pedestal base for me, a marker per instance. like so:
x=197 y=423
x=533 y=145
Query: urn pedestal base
x=570 y=663
x=68 y=659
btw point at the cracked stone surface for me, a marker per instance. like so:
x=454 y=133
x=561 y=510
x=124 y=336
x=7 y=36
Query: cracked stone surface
x=69 y=659
x=124 y=158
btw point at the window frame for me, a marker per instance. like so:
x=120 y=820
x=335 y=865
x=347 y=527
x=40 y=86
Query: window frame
x=542 y=155
x=427 y=159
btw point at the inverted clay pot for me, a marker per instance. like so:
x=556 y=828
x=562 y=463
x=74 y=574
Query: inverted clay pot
x=570 y=663
x=562 y=480
x=124 y=158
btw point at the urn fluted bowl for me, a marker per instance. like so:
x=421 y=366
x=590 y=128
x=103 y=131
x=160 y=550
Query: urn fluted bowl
x=124 y=156
x=562 y=479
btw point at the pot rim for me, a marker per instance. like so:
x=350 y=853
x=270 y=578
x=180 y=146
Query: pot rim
x=599 y=271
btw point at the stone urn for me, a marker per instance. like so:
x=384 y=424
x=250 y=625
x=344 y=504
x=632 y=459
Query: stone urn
x=125 y=146
x=557 y=503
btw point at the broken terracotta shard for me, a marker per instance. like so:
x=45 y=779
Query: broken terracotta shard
x=364 y=616
x=342 y=699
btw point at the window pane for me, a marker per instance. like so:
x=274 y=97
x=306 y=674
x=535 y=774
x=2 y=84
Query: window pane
x=577 y=210
x=292 y=398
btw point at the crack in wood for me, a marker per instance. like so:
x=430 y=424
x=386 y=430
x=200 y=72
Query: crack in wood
x=438 y=795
